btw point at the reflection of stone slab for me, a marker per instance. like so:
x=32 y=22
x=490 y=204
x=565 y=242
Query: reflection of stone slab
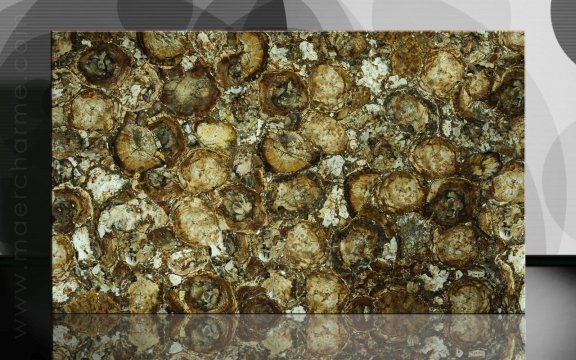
x=261 y=336
x=319 y=172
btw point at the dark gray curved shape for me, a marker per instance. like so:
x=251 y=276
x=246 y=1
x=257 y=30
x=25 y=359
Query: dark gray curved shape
x=208 y=21
x=563 y=15
x=269 y=15
x=317 y=15
x=535 y=235
x=245 y=15
x=155 y=15
x=229 y=11
x=554 y=181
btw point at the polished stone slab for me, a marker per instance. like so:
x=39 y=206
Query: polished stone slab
x=288 y=172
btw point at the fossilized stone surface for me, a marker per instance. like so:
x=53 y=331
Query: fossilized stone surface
x=319 y=172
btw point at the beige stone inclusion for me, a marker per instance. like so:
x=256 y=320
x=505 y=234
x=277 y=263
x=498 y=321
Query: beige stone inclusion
x=317 y=172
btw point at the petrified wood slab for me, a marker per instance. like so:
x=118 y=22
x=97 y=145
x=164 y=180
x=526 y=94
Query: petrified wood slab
x=318 y=172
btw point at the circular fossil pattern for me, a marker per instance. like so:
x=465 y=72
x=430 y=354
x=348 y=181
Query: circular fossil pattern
x=456 y=246
x=164 y=47
x=287 y=152
x=481 y=166
x=203 y=170
x=207 y=334
x=249 y=57
x=136 y=148
x=195 y=223
x=299 y=193
x=188 y=261
x=328 y=86
x=92 y=110
x=512 y=40
x=442 y=71
x=195 y=91
x=349 y=45
x=242 y=208
x=434 y=157
x=282 y=92
x=509 y=96
x=360 y=186
x=287 y=172
x=71 y=208
x=472 y=101
x=140 y=89
x=305 y=246
x=215 y=135
x=207 y=293
x=400 y=192
x=62 y=256
x=468 y=296
x=502 y=222
x=359 y=242
x=326 y=292
x=409 y=112
x=253 y=300
x=508 y=186
x=160 y=184
x=396 y=300
x=143 y=296
x=326 y=133
x=452 y=201
x=478 y=85
x=360 y=305
x=171 y=138
x=104 y=65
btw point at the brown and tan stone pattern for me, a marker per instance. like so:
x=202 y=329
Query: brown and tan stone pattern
x=273 y=336
x=318 y=172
